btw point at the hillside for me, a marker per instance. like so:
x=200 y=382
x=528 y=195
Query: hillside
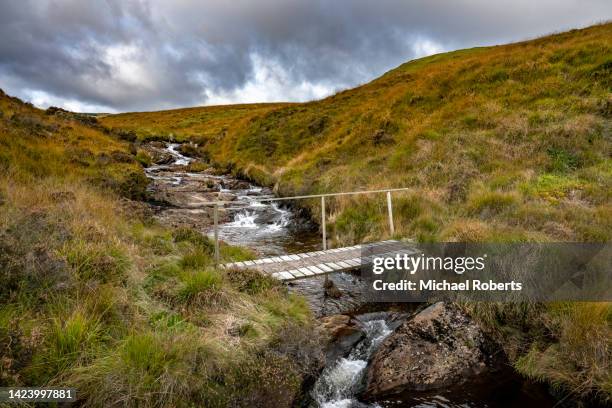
x=95 y=294
x=504 y=143
x=188 y=123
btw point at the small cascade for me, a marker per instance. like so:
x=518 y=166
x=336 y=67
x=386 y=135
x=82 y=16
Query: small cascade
x=283 y=219
x=340 y=382
x=243 y=219
x=180 y=160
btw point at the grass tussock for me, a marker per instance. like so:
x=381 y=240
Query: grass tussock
x=566 y=344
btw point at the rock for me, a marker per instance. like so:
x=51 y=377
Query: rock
x=160 y=157
x=439 y=347
x=332 y=290
x=340 y=333
x=188 y=149
x=226 y=197
x=236 y=185
x=335 y=325
x=267 y=217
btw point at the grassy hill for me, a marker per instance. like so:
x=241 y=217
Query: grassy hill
x=95 y=295
x=507 y=143
x=504 y=143
x=188 y=123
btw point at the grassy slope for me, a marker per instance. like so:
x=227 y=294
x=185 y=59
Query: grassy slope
x=95 y=295
x=204 y=123
x=506 y=143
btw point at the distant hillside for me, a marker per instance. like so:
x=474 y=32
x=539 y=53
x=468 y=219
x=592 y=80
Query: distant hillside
x=194 y=123
x=508 y=142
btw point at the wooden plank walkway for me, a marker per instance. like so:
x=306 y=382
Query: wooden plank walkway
x=309 y=264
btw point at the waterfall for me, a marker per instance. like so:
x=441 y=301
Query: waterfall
x=339 y=382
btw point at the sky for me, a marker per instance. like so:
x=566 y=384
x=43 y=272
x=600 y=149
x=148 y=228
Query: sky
x=135 y=55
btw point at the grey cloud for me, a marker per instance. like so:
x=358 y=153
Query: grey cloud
x=153 y=54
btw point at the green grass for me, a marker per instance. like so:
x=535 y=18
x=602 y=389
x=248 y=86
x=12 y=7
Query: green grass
x=194 y=284
x=144 y=158
x=489 y=203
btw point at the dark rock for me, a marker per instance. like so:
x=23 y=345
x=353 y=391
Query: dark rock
x=340 y=334
x=332 y=290
x=236 y=185
x=162 y=158
x=54 y=110
x=439 y=347
x=267 y=217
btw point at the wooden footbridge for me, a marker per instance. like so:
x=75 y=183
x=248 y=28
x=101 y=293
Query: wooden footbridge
x=324 y=262
x=309 y=264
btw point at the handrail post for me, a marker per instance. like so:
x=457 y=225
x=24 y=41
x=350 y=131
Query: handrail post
x=216 y=222
x=390 y=209
x=324 y=231
x=323 y=227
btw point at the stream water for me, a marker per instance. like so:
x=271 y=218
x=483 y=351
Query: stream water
x=272 y=229
x=339 y=382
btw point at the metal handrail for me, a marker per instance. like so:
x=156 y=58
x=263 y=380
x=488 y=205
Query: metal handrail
x=220 y=203
x=223 y=202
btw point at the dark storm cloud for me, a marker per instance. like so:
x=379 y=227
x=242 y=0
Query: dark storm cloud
x=132 y=55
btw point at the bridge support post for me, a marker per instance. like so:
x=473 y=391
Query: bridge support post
x=216 y=222
x=390 y=209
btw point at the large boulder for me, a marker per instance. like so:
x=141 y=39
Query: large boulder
x=439 y=347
